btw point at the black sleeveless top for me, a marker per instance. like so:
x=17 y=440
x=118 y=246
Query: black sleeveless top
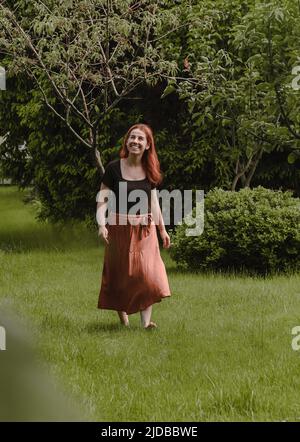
x=113 y=176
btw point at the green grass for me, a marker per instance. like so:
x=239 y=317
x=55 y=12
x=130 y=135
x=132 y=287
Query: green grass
x=222 y=351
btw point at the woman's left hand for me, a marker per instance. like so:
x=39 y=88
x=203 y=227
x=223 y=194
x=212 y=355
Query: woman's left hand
x=165 y=239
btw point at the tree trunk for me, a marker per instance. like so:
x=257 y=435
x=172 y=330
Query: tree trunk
x=255 y=164
x=96 y=157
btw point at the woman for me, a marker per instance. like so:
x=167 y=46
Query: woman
x=134 y=276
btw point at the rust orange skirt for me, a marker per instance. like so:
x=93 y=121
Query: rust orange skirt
x=134 y=275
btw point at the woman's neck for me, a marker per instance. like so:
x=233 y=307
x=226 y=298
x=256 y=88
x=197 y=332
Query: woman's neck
x=134 y=161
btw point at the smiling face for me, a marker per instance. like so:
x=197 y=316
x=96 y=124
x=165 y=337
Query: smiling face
x=137 y=143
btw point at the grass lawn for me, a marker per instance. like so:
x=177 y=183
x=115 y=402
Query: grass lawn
x=222 y=351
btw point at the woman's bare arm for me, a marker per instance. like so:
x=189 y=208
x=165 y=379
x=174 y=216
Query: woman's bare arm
x=158 y=219
x=102 y=201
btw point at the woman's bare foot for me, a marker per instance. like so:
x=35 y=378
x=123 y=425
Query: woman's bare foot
x=124 y=318
x=151 y=325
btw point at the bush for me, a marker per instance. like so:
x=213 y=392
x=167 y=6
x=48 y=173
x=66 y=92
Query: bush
x=254 y=230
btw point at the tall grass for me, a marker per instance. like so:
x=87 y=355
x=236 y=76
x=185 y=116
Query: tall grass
x=222 y=351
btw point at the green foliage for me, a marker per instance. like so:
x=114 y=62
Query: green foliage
x=246 y=110
x=65 y=179
x=216 y=92
x=59 y=169
x=255 y=230
x=88 y=55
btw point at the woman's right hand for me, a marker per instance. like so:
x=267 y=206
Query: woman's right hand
x=103 y=233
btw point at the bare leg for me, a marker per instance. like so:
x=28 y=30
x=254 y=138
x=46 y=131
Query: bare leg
x=146 y=318
x=123 y=318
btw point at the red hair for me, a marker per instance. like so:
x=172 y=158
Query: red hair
x=150 y=160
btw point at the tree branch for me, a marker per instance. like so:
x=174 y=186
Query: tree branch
x=65 y=120
x=284 y=115
x=28 y=40
x=255 y=163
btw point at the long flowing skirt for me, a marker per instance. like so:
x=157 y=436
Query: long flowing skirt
x=134 y=275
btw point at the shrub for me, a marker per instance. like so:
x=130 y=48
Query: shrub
x=254 y=230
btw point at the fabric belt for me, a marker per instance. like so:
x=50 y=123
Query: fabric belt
x=145 y=226
x=144 y=222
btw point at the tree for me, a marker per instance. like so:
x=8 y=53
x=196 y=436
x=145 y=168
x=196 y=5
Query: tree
x=90 y=62
x=248 y=110
x=88 y=54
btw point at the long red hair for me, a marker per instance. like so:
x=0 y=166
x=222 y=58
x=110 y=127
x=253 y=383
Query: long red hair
x=150 y=160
